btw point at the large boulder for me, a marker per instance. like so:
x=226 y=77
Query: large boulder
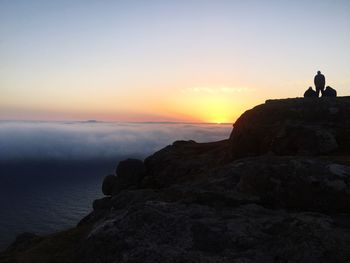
x=130 y=173
x=329 y=92
x=293 y=127
x=102 y=204
x=183 y=161
x=108 y=184
x=310 y=93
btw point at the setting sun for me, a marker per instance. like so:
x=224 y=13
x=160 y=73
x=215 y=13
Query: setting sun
x=144 y=128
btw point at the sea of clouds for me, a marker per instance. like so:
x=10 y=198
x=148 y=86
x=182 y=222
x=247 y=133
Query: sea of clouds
x=51 y=171
x=96 y=140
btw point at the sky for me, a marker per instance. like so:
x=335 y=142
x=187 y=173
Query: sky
x=162 y=60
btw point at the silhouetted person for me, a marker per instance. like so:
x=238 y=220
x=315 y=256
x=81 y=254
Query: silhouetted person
x=320 y=82
x=329 y=92
x=310 y=93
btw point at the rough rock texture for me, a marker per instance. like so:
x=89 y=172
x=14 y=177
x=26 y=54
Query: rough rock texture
x=175 y=232
x=294 y=126
x=108 y=184
x=277 y=191
x=23 y=240
x=296 y=182
x=261 y=209
x=182 y=161
x=102 y=204
x=130 y=173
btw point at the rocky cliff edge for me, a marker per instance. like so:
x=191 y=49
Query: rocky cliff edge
x=277 y=190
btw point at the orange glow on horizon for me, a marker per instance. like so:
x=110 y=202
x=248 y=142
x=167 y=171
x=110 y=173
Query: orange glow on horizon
x=205 y=104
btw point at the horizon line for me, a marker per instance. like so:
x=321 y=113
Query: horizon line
x=131 y=122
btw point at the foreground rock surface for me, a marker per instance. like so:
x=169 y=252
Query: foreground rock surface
x=158 y=231
x=261 y=209
x=278 y=190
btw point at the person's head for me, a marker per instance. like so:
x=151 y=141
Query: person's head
x=318 y=72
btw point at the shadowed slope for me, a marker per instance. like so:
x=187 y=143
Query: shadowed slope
x=277 y=190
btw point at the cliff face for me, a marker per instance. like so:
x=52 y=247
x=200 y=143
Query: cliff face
x=277 y=190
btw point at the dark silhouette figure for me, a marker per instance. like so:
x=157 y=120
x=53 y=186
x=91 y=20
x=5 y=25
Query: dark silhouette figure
x=329 y=92
x=310 y=93
x=320 y=82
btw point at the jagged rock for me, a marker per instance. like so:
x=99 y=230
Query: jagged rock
x=294 y=182
x=130 y=197
x=24 y=240
x=214 y=202
x=93 y=217
x=310 y=93
x=130 y=173
x=304 y=183
x=108 y=184
x=233 y=213
x=181 y=161
x=174 y=232
x=102 y=203
x=329 y=92
x=293 y=127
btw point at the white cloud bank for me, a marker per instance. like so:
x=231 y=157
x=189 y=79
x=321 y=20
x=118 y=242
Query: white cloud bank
x=84 y=141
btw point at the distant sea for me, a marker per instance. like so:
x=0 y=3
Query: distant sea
x=50 y=172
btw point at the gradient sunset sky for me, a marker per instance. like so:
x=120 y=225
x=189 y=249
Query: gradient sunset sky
x=179 y=60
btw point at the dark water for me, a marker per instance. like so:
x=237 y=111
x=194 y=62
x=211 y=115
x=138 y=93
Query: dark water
x=51 y=172
x=47 y=197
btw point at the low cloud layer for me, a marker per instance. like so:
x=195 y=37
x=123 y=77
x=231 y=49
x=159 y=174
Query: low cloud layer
x=85 y=141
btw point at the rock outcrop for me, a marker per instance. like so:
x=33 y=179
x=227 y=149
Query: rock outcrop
x=183 y=161
x=294 y=127
x=108 y=184
x=129 y=174
x=310 y=93
x=297 y=183
x=329 y=92
x=278 y=190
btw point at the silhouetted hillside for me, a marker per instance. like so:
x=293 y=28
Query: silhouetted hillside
x=277 y=190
